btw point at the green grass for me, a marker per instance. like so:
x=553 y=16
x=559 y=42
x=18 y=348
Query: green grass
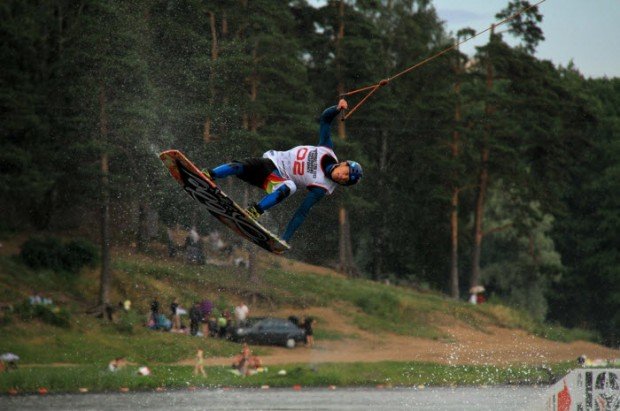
x=89 y=344
x=559 y=333
x=97 y=378
x=511 y=318
x=380 y=307
x=327 y=334
x=407 y=315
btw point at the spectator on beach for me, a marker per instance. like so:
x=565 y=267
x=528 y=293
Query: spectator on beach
x=476 y=294
x=218 y=245
x=240 y=257
x=295 y=320
x=155 y=321
x=154 y=309
x=181 y=312
x=246 y=363
x=117 y=364
x=35 y=298
x=176 y=317
x=222 y=324
x=212 y=326
x=229 y=323
x=160 y=322
x=195 y=318
x=241 y=314
x=308 y=325
x=8 y=361
x=38 y=298
x=206 y=306
x=194 y=251
x=199 y=368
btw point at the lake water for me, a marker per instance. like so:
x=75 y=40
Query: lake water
x=461 y=399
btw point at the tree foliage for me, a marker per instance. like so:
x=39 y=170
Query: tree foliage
x=220 y=80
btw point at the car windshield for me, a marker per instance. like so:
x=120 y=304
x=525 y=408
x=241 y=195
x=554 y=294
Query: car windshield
x=271 y=323
x=250 y=322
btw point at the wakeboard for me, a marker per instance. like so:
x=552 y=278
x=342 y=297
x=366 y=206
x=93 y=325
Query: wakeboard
x=207 y=192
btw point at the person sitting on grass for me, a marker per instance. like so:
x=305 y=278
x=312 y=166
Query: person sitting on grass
x=246 y=363
x=117 y=364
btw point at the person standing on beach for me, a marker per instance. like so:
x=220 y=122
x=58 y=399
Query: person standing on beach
x=199 y=368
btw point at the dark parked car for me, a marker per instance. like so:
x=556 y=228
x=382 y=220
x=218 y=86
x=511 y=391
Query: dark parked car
x=269 y=331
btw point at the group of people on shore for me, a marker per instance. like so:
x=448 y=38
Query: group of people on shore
x=38 y=298
x=205 y=320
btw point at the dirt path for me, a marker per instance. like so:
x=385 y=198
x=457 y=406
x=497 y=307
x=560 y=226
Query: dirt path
x=497 y=346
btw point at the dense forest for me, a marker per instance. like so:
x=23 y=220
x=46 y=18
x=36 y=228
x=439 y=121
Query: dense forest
x=498 y=169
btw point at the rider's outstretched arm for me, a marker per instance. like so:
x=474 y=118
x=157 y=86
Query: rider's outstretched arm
x=315 y=194
x=326 y=123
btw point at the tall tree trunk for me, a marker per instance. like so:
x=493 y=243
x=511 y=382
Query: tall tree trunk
x=380 y=236
x=253 y=275
x=483 y=182
x=206 y=135
x=454 y=244
x=454 y=201
x=483 y=179
x=339 y=38
x=346 y=262
x=143 y=227
x=380 y=232
x=532 y=250
x=252 y=125
x=106 y=276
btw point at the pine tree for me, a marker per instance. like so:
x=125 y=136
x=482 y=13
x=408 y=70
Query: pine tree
x=493 y=58
x=40 y=140
x=112 y=89
x=586 y=295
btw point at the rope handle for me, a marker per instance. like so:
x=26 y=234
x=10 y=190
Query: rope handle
x=374 y=88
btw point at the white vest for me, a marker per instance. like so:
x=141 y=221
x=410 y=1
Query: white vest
x=302 y=165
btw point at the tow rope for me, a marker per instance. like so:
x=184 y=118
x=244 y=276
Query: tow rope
x=373 y=88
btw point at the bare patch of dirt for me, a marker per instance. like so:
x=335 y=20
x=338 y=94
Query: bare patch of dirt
x=493 y=345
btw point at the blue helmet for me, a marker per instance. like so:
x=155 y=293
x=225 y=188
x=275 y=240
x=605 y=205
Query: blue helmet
x=355 y=172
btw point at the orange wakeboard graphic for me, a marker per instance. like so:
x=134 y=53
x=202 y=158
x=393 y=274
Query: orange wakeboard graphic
x=206 y=191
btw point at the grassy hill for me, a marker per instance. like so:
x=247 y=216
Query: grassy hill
x=283 y=284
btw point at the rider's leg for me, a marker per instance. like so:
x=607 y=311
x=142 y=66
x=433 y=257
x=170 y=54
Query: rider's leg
x=280 y=192
x=283 y=191
x=225 y=170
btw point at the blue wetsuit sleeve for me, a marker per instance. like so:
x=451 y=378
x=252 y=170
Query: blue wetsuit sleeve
x=315 y=194
x=326 y=126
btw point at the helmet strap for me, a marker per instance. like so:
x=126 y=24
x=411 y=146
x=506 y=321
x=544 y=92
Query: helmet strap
x=329 y=169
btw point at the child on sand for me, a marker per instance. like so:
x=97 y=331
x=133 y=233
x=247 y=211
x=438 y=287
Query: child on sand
x=200 y=363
